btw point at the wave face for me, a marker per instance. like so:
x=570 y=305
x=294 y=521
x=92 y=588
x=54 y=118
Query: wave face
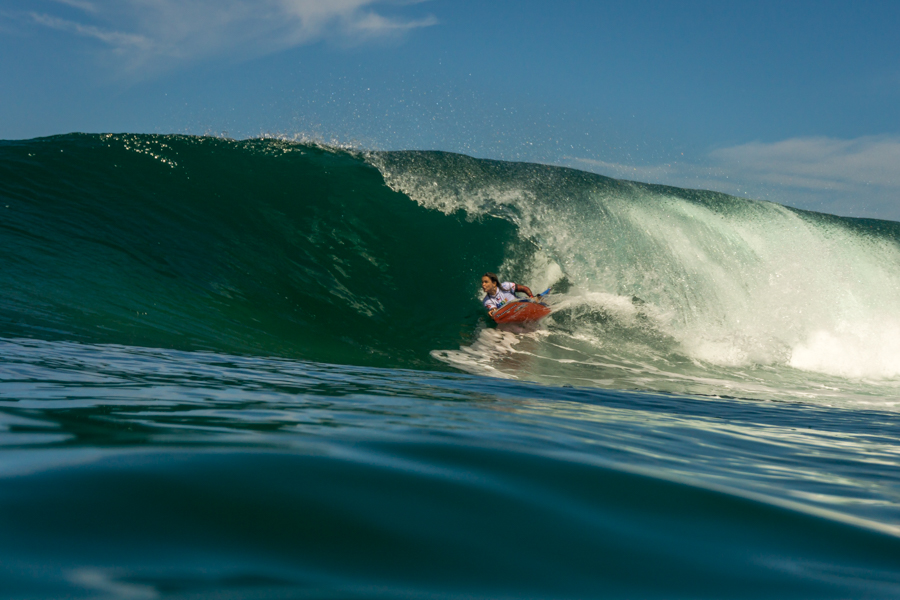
x=258 y=247
x=267 y=247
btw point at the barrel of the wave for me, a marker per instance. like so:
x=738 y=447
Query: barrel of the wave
x=520 y=311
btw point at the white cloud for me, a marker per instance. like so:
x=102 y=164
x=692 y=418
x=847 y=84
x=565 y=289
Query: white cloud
x=819 y=163
x=159 y=34
x=79 y=4
x=117 y=39
x=858 y=177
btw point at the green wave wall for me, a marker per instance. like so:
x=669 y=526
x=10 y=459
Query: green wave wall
x=260 y=247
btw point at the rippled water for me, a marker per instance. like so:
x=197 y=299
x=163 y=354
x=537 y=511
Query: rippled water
x=135 y=472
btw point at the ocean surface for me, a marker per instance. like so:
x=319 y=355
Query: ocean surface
x=260 y=369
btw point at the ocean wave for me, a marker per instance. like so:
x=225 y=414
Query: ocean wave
x=271 y=247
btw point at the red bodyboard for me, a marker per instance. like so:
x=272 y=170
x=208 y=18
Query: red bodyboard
x=521 y=310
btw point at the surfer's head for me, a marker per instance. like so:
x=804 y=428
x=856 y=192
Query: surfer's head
x=489 y=283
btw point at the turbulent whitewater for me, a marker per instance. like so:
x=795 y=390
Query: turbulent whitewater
x=280 y=346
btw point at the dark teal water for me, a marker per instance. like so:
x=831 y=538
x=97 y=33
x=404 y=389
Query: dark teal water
x=260 y=370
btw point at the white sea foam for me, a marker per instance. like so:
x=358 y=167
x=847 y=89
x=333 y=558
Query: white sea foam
x=868 y=351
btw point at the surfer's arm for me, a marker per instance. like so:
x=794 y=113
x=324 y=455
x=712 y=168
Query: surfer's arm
x=524 y=290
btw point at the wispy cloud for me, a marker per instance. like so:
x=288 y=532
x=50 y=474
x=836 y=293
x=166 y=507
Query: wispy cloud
x=154 y=34
x=819 y=163
x=79 y=4
x=858 y=177
x=116 y=39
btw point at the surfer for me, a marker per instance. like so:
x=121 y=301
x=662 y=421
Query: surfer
x=497 y=294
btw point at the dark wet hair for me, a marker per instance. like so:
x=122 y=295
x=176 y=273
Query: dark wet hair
x=493 y=277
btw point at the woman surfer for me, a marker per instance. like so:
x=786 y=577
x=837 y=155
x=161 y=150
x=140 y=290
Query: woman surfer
x=497 y=294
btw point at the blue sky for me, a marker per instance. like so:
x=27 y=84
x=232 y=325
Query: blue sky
x=794 y=102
